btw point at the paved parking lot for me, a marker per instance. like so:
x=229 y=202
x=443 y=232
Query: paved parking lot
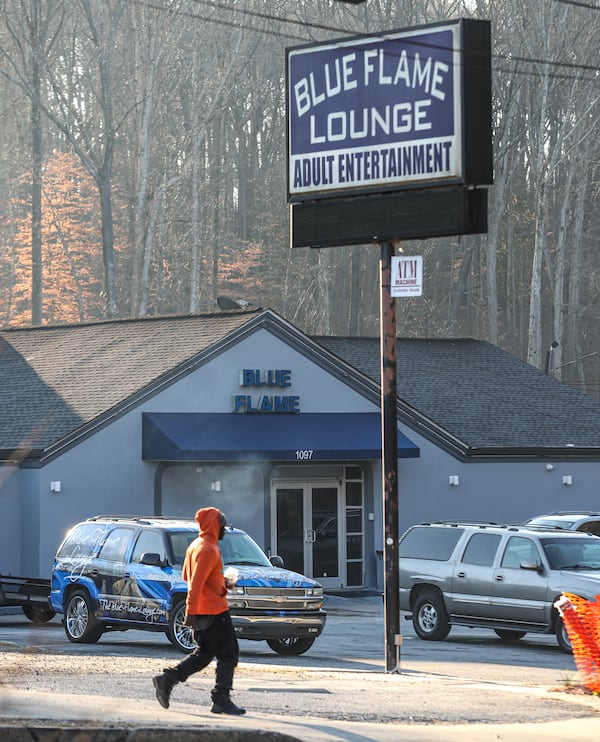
x=337 y=690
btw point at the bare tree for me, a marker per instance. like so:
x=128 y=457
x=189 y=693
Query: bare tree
x=32 y=26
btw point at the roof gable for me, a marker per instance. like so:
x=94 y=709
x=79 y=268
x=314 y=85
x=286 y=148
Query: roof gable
x=56 y=379
x=479 y=394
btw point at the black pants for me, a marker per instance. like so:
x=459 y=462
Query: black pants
x=219 y=641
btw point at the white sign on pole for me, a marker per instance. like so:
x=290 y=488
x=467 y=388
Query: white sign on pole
x=372 y=112
x=407 y=275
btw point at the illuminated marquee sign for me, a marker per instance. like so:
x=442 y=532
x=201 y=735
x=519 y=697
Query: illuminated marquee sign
x=271 y=402
x=379 y=113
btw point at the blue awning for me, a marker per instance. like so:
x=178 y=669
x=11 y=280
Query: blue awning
x=193 y=436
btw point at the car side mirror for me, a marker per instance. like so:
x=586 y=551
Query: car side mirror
x=276 y=561
x=152 y=559
x=533 y=566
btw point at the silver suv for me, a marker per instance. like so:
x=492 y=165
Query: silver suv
x=505 y=578
x=572 y=520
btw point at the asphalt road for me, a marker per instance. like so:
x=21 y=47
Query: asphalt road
x=473 y=683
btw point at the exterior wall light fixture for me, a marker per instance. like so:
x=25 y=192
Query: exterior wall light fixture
x=454 y=480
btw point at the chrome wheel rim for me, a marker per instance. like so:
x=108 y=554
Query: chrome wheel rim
x=428 y=618
x=77 y=618
x=183 y=634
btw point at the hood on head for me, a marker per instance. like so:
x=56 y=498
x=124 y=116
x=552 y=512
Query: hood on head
x=209 y=521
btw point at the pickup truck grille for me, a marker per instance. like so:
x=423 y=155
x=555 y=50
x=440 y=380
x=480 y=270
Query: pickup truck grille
x=270 y=592
x=276 y=599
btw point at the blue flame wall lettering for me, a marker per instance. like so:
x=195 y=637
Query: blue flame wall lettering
x=273 y=404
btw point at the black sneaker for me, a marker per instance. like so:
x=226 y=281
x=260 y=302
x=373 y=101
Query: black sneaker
x=226 y=706
x=164 y=686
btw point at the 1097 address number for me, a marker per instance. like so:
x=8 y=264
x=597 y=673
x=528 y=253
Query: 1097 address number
x=305 y=455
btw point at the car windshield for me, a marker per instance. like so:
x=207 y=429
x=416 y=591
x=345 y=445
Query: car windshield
x=239 y=548
x=566 y=524
x=236 y=548
x=580 y=553
x=180 y=540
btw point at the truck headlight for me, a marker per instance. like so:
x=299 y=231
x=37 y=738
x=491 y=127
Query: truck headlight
x=233 y=603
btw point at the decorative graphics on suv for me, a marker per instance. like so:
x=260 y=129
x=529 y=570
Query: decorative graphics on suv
x=506 y=578
x=117 y=573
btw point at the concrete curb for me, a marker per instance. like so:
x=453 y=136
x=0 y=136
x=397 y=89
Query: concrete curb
x=35 y=733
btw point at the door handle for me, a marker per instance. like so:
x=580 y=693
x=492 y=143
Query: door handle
x=310 y=536
x=461 y=574
x=499 y=578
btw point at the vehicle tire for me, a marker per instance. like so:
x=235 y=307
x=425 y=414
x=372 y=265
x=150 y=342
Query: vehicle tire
x=510 y=635
x=81 y=626
x=430 y=617
x=562 y=637
x=290 y=645
x=38 y=615
x=178 y=633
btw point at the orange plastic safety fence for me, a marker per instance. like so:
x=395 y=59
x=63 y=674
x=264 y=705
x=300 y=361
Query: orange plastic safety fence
x=582 y=621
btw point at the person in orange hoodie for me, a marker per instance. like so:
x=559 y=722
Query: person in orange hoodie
x=207 y=613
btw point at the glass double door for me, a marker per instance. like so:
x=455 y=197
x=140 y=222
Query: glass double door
x=306 y=530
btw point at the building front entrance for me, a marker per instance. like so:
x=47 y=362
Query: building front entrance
x=313 y=528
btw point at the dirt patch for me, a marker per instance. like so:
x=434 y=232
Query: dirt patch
x=577 y=689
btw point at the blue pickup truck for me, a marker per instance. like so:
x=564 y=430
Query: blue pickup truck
x=113 y=573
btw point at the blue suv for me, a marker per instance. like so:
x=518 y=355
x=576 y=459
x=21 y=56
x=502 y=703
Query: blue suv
x=113 y=573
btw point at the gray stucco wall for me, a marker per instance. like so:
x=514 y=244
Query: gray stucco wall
x=188 y=487
x=503 y=491
x=104 y=473
x=10 y=520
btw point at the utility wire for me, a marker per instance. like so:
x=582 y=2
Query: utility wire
x=322 y=27
x=271 y=17
x=577 y=360
x=588 y=6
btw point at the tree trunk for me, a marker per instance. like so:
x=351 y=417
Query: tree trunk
x=108 y=242
x=37 y=162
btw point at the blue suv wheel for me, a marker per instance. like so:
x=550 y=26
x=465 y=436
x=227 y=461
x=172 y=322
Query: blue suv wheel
x=178 y=633
x=80 y=624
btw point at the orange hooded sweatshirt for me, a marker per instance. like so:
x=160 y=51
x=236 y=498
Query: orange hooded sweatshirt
x=203 y=568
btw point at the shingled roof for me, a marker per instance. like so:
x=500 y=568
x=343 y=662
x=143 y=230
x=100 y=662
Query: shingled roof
x=480 y=395
x=468 y=395
x=55 y=380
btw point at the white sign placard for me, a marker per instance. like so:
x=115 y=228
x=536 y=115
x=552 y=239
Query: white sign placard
x=407 y=275
x=375 y=112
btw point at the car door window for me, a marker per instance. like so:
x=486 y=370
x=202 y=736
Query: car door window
x=519 y=549
x=481 y=549
x=82 y=541
x=149 y=542
x=592 y=526
x=435 y=543
x=115 y=546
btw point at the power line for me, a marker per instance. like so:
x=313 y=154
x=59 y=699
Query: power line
x=323 y=27
x=578 y=4
x=534 y=60
x=271 y=17
x=553 y=75
x=304 y=24
x=577 y=360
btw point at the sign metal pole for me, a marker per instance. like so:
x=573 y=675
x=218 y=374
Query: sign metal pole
x=389 y=462
x=390 y=183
